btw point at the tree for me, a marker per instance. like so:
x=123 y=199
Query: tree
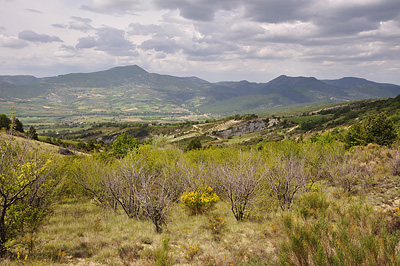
x=240 y=183
x=18 y=125
x=194 y=144
x=285 y=178
x=32 y=133
x=25 y=182
x=375 y=129
x=153 y=194
x=5 y=122
x=123 y=183
x=123 y=144
x=380 y=130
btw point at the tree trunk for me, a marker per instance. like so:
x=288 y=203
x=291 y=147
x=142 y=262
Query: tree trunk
x=3 y=236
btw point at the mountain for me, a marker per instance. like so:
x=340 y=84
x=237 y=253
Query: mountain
x=130 y=91
x=361 y=88
x=19 y=80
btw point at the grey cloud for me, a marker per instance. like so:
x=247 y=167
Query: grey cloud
x=349 y=27
x=109 y=40
x=66 y=51
x=86 y=42
x=67 y=47
x=116 y=6
x=161 y=44
x=201 y=10
x=205 y=51
x=82 y=24
x=354 y=18
x=61 y=26
x=160 y=56
x=242 y=32
x=332 y=18
x=31 y=36
x=140 y=29
x=383 y=10
x=33 y=10
x=277 y=11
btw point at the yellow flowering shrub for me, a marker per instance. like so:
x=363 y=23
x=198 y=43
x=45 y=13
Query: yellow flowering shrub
x=199 y=201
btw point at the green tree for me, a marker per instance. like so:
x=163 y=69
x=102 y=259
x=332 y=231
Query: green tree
x=32 y=133
x=18 y=126
x=90 y=145
x=5 y=122
x=194 y=144
x=123 y=144
x=25 y=183
x=375 y=129
x=380 y=130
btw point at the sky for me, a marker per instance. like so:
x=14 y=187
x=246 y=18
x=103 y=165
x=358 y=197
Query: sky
x=216 y=40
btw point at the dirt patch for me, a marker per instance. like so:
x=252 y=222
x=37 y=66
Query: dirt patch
x=131 y=109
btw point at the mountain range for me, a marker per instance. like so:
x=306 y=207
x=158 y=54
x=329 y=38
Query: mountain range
x=132 y=91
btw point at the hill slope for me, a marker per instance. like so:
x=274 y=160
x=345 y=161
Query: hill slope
x=131 y=91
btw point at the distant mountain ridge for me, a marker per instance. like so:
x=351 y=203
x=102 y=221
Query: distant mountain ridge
x=132 y=91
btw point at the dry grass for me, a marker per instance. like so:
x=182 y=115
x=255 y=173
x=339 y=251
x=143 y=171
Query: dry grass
x=81 y=233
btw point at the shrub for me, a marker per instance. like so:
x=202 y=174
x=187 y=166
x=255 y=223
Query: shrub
x=286 y=178
x=339 y=235
x=312 y=204
x=217 y=225
x=394 y=164
x=240 y=182
x=162 y=255
x=199 y=201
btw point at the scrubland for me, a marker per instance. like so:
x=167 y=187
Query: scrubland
x=305 y=202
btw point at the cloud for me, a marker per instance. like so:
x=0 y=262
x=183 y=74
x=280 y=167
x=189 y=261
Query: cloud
x=116 y=6
x=86 y=42
x=278 y=11
x=31 y=36
x=12 y=42
x=200 y=10
x=109 y=40
x=82 y=24
x=161 y=44
x=140 y=29
x=33 y=10
x=66 y=51
x=60 y=26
